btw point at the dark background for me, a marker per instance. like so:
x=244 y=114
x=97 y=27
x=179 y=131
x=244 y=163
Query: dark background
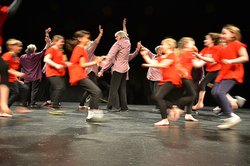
x=147 y=21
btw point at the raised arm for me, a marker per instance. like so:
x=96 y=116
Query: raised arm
x=124 y=28
x=14 y=6
x=100 y=34
x=47 y=38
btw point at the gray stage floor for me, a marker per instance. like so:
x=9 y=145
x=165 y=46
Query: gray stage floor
x=127 y=138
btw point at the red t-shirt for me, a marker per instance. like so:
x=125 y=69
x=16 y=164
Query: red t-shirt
x=169 y=74
x=13 y=62
x=57 y=57
x=212 y=52
x=3 y=16
x=76 y=72
x=185 y=60
x=231 y=71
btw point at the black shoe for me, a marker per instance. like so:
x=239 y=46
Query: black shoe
x=114 y=110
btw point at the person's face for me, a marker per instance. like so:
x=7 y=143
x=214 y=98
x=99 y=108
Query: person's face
x=117 y=37
x=85 y=39
x=190 y=44
x=208 y=40
x=226 y=35
x=16 y=48
x=60 y=43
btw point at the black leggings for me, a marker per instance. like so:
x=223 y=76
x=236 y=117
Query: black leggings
x=209 y=78
x=3 y=72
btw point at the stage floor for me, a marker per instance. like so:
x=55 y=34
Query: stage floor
x=126 y=138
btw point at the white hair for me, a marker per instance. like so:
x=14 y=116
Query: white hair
x=122 y=34
x=30 y=48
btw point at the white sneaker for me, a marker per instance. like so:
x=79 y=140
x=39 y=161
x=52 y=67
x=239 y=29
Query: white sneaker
x=95 y=116
x=90 y=114
x=240 y=101
x=230 y=122
x=217 y=110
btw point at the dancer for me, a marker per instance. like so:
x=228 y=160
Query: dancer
x=213 y=46
x=16 y=86
x=186 y=62
x=78 y=75
x=118 y=58
x=5 y=11
x=170 y=79
x=4 y=90
x=93 y=69
x=231 y=58
x=56 y=62
x=154 y=74
x=31 y=66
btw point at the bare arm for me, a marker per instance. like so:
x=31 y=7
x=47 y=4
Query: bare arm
x=206 y=59
x=96 y=61
x=243 y=57
x=47 y=59
x=100 y=34
x=124 y=28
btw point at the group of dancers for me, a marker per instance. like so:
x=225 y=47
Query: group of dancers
x=170 y=72
x=223 y=57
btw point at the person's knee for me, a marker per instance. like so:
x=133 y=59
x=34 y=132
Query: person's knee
x=202 y=87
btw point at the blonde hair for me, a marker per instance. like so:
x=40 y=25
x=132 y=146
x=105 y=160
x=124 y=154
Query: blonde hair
x=183 y=41
x=235 y=30
x=56 y=38
x=12 y=42
x=170 y=42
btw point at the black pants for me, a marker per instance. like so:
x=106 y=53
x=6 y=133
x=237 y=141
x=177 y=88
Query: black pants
x=189 y=97
x=160 y=97
x=45 y=89
x=34 y=89
x=58 y=87
x=209 y=78
x=153 y=85
x=94 y=91
x=4 y=76
x=118 y=91
x=17 y=90
x=220 y=91
x=93 y=77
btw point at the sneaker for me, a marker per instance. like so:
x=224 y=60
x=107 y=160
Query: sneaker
x=230 y=122
x=240 y=101
x=217 y=110
x=95 y=116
